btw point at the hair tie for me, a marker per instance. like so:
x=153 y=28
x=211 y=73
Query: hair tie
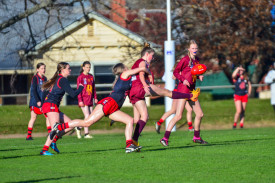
x=146 y=45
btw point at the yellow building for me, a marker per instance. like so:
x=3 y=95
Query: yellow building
x=95 y=39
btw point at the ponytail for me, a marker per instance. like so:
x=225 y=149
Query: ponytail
x=147 y=49
x=117 y=70
x=49 y=84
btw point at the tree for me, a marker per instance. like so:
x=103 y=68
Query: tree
x=238 y=30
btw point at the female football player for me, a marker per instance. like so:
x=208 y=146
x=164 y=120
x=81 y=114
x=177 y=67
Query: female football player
x=36 y=98
x=242 y=92
x=187 y=83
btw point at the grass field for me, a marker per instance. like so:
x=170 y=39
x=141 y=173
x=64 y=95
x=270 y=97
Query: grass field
x=245 y=155
x=14 y=119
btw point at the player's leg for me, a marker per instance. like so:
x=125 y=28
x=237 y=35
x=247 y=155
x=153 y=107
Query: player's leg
x=48 y=124
x=175 y=119
x=53 y=118
x=189 y=111
x=95 y=116
x=30 y=125
x=157 y=91
x=238 y=106
x=86 y=129
x=141 y=109
x=166 y=115
x=197 y=122
x=242 y=114
x=128 y=121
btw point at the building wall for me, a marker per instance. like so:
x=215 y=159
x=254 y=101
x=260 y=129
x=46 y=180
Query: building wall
x=94 y=42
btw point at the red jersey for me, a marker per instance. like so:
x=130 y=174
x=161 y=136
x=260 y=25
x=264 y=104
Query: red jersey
x=88 y=93
x=183 y=72
x=136 y=82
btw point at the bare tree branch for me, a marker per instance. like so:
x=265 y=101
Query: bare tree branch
x=27 y=13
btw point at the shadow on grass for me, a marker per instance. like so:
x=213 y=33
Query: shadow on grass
x=48 y=179
x=210 y=144
x=154 y=149
x=4 y=150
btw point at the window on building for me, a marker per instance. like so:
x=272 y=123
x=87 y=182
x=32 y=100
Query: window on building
x=104 y=79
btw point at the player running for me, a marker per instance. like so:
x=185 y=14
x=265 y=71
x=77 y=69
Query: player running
x=110 y=106
x=57 y=86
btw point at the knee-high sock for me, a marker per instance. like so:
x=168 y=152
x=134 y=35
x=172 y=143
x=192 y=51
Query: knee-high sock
x=179 y=95
x=139 y=127
x=167 y=135
x=63 y=126
x=29 y=132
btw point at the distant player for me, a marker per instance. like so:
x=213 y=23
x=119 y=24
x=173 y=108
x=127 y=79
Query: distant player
x=36 y=98
x=242 y=92
x=187 y=83
x=57 y=86
x=87 y=97
x=270 y=79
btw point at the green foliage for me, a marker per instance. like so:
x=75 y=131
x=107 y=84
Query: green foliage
x=232 y=156
x=14 y=119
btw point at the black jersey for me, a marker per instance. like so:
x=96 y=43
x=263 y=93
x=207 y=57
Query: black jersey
x=121 y=90
x=58 y=90
x=241 y=85
x=36 y=92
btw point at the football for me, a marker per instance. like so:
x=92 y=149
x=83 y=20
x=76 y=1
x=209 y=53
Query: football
x=198 y=69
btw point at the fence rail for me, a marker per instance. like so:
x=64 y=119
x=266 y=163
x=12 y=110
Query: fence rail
x=110 y=85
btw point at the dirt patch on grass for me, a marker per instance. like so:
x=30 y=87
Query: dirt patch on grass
x=180 y=127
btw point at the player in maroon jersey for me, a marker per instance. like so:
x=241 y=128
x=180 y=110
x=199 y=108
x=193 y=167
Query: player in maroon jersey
x=242 y=92
x=36 y=99
x=187 y=83
x=56 y=87
x=88 y=96
x=188 y=108
x=140 y=88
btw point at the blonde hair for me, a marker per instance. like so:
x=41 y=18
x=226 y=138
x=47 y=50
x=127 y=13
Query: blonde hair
x=189 y=55
x=117 y=70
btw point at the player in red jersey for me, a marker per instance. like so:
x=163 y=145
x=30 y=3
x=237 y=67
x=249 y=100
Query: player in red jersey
x=56 y=87
x=242 y=92
x=186 y=84
x=87 y=97
x=140 y=87
x=110 y=106
x=36 y=98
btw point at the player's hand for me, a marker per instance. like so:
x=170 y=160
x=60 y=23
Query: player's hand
x=147 y=90
x=81 y=104
x=96 y=101
x=185 y=82
x=39 y=104
x=201 y=77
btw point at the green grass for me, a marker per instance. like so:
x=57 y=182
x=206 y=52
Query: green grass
x=232 y=156
x=14 y=119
